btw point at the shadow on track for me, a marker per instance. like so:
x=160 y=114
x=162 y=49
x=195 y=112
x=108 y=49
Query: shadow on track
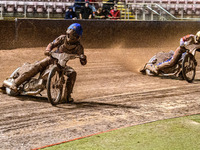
x=195 y=81
x=78 y=105
x=75 y=105
x=32 y=98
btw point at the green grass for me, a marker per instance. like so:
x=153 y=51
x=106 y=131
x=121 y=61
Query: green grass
x=173 y=134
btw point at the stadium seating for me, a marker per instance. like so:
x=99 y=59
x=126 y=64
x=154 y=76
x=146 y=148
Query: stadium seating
x=197 y=9
x=156 y=1
x=30 y=7
x=190 y=1
x=137 y=9
x=59 y=7
x=164 y=4
x=197 y=2
x=147 y=1
x=181 y=7
x=182 y=2
x=138 y=1
x=175 y=7
x=39 y=7
x=189 y=9
x=10 y=6
x=172 y=7
x=49 y=7
x=164 y=1
x=20 y=7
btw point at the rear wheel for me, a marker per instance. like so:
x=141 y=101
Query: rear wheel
x=189 y=67
x=54 y=86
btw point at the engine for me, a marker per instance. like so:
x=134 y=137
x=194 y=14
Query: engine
x=34 y=85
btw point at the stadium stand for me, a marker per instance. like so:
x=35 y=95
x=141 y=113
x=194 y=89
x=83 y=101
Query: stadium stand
x=10 y=5
x=49 y=7
x=39 y=7
x=164 y=4
x=30 y=7
x=59 y=7
x=20 y=7
x=197 y=7
x=128 y=8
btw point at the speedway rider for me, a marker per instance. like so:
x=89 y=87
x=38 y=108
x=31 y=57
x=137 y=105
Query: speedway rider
x=184 y=41
x=70 y=44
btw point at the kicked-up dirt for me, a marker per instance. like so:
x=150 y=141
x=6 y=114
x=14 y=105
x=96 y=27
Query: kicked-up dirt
x=109 y=93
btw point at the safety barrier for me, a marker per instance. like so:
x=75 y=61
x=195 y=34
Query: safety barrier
x=141 y=9
x=97 y=33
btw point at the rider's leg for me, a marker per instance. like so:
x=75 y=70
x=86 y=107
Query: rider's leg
x=33 y=70
x=71 y=74
x=172 y=62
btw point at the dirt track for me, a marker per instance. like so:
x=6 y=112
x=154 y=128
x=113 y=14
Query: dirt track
x=109 y=93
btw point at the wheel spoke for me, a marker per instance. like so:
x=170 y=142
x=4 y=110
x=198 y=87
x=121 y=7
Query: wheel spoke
x=55 y=88
x=189 y=68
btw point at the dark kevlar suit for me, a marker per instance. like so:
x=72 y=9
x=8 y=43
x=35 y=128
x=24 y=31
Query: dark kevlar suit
x=63 y=46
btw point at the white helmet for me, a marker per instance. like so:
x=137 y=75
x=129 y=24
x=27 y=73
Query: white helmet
x=198 y=36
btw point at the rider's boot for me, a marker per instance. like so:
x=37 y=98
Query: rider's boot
x=143 y=70
x=152 y=68
x=70 y=85
x=67 y=97
x=68 y=90
x=70 y=99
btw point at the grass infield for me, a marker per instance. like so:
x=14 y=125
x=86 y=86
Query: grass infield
x=172 y=134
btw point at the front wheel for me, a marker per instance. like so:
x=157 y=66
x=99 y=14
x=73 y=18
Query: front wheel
x=54 y=86
x=189 y=67
x=150 y=62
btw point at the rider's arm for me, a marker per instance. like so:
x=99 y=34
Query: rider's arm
x=118 y=15
x=58 y=41
x=185 y=41
x=80 y=52
x=110 y=14
x=48 y=49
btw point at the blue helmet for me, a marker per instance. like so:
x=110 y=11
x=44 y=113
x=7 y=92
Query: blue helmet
x=77 y=28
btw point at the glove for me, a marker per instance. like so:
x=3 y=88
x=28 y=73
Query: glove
x=182 y=44
x=47 y=53
x=83 y=59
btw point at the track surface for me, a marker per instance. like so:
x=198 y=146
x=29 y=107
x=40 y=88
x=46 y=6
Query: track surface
x=109 y=93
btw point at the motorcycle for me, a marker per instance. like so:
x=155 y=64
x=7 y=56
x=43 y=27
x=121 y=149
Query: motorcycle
x=52 y=79
x=185 y=67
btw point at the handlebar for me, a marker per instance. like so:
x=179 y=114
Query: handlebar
x=63 y=58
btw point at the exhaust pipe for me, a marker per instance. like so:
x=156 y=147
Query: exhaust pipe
x=7 y=83
x=32 y=93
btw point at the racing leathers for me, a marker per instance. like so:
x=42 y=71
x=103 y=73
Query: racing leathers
x=63 y=46
x=184 y=42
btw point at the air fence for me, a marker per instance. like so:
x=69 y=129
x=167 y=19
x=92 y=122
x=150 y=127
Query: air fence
x=130 y=10
x=96 y=33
